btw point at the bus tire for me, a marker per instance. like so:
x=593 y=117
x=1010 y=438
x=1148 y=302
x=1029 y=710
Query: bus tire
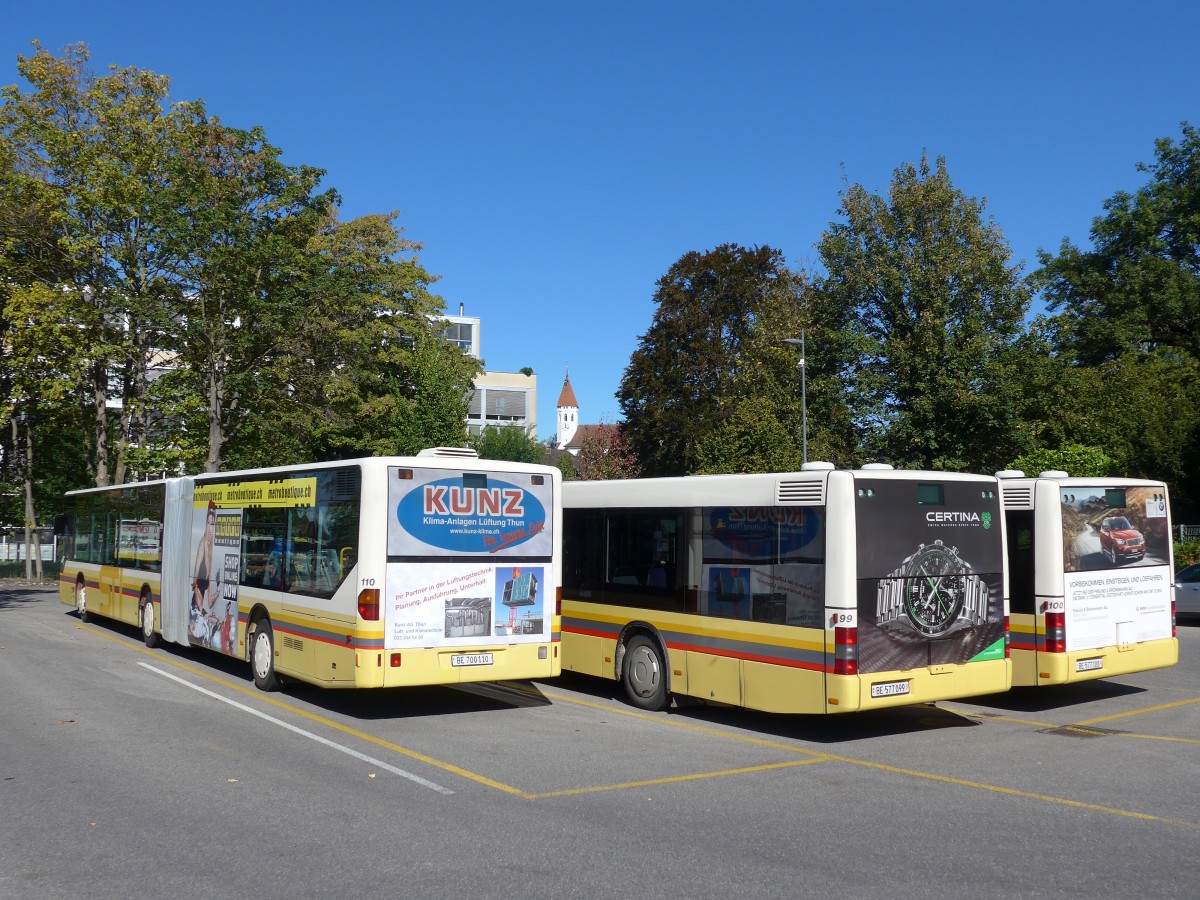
x=262 y=655
x=149 y=635
x=81 y=602
x=644 y=674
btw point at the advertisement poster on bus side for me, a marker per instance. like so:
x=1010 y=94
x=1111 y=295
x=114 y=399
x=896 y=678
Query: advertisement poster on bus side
x=216 y=554
x=464 y=604
x=788 y=594
x=1116 y=553
x=438 y=512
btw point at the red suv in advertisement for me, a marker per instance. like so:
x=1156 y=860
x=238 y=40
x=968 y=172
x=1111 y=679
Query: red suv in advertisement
x=1119 y=540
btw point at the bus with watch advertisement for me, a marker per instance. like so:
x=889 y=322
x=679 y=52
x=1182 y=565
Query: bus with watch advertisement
x=381 y=572
x=1091 y=576
x=819 y=591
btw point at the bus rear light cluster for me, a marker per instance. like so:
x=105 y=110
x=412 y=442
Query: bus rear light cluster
x=845 y=651
x=368 y=604
x=1007 y=639
x=1056 y=632
x=1173 y=618
x=558 y=600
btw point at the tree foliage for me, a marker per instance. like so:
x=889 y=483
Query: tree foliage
x=1126 y=324
x=605 y=454
x=1074 y=459
x=714 y=342
x=158 y=257
x=936 y=307
x=513 y=444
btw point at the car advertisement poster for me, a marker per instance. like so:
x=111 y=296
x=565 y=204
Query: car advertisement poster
x=930 y=573
x=438 y=512
x=1116 y=555
x=789 y=594
x=460 y=604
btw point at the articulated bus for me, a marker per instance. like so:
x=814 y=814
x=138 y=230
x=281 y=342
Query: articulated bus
x=1091 y=577
x=819 y=591
x=384 y=572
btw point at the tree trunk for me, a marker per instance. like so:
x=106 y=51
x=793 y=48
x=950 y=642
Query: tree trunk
x=100 y=408
x=33 y=553
x=216 y=434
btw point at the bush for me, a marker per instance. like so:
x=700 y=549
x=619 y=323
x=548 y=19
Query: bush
x=1186 y=553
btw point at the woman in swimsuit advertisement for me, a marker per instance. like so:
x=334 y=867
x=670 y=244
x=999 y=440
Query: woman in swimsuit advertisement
x=203 y=568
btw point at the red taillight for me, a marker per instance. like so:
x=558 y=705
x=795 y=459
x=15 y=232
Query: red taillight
x=394 y=660
x=845 y=651
x=1056 y=632
x=1173 y=617
x=558 y=600
x=1007 y=639
x=368 y=604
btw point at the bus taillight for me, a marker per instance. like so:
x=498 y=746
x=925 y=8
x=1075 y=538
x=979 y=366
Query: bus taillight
x=1007 y=639
x=1173 y=618
x=1056 y=632
x=845 y=651
x=558 y=600
x=368 y=604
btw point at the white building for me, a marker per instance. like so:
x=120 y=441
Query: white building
x=503 y=399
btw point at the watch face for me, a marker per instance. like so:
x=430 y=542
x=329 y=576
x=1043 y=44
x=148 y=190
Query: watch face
x=935 y=589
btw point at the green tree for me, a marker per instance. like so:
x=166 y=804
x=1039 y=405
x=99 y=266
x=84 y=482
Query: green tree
x=936 y=309
x=1140 y=282
x=715 y=342
x=1074 y=459
x=752 y=439
x=241 y=228
x=88 y=151
x=374 y=375
x=1127 y=323
x=513 y=444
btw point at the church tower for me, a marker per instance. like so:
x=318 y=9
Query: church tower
x=568 y=414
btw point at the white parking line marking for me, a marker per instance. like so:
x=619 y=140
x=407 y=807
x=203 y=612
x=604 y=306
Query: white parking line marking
x=300 y=731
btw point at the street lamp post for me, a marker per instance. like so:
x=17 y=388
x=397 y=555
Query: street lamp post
x=803 y=396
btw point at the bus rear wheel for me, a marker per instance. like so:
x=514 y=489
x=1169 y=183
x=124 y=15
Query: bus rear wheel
x=643 y=674
x=262 y=656
x=149 y=635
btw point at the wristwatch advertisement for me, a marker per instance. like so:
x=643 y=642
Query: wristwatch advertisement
x=933 y=592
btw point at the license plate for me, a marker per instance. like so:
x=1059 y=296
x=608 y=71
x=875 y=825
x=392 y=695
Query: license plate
x=471 y=659
x=889 y=689
x=1088 y=665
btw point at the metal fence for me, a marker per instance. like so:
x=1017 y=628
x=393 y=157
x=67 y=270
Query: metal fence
x=13 y=547
x=1189 y=533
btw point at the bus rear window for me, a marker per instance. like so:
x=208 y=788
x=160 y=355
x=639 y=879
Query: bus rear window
x=1114 y=498
x=931 y=495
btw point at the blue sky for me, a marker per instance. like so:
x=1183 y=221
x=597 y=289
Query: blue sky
x=556 y=158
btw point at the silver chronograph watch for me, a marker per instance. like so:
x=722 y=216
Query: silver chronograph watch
x=933 y=592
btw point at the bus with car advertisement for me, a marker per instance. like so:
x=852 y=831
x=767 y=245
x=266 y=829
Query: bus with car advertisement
x=1091 y=576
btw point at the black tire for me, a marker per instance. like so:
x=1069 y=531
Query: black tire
x=644 y=674
x=262 y=656
x=151 y=637
x=81 y=602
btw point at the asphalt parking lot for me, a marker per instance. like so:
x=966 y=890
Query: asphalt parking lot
x=560 y=789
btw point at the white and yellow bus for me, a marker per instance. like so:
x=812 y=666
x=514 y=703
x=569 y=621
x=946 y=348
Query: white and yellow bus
x=820 y=591
x=383 y=572
x=1090 y=574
